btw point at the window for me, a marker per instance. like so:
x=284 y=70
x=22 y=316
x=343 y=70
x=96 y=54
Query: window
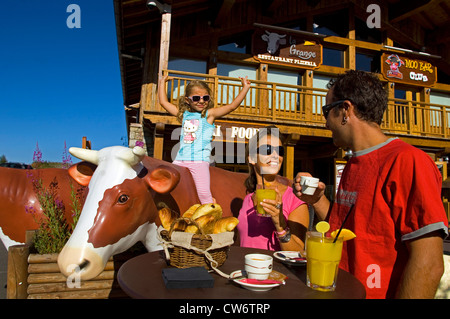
x=287 y=98
x=238 y=44
x=319 y=82
x=333 y=57
x=233 y=47
x=229 y=89
x=186 y=65
x=332 y=24
x=368 y=62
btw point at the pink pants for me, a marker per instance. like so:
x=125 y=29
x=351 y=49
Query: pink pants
x=200 y=173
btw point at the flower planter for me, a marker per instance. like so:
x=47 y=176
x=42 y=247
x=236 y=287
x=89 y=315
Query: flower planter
x=36 y=276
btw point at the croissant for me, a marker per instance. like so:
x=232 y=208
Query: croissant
x=167 y=217
x=225 y=224
x=191 y=211
x=205 y=223
x=208 y=209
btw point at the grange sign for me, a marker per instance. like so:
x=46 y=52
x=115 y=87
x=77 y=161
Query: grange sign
x=283 y=48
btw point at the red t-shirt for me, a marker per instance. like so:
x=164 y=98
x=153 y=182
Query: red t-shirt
x=395 y=189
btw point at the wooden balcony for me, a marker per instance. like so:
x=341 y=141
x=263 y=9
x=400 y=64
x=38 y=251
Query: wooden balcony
x=293 y=106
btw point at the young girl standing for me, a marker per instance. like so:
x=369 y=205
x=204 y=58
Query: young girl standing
x=197 y=114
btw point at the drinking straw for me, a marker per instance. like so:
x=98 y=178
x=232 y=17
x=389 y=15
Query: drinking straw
x=262 y=176
x=342 y=226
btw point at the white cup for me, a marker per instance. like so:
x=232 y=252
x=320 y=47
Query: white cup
x=258 y=266
x=309 y=184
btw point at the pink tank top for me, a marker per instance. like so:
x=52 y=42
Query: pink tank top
x=258 y=232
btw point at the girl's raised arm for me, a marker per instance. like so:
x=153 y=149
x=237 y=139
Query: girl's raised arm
x=224 y=110
x=162 y=96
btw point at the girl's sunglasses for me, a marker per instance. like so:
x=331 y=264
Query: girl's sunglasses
x=197 y=98
x=269 y=149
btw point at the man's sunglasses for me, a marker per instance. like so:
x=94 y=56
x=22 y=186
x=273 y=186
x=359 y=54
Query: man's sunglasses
x=197 y=98
x=327 y=108
x=267 y=149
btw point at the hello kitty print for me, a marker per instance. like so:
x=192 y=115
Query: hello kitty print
x=190 y=128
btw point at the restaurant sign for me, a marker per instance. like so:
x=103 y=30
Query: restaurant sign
x=283 y=48
x=402 y=69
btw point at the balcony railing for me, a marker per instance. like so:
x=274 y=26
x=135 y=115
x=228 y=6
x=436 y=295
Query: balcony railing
x=276 y=102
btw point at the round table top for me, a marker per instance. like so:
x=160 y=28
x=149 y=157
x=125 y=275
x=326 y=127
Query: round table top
x=141 y=277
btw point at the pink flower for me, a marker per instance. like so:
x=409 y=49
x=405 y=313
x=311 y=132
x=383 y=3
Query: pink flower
x=139 y=143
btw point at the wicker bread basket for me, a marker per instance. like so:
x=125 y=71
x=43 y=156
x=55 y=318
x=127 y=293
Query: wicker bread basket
x=184 y=250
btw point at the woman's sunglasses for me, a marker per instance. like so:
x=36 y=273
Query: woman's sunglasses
x=197 y=98
x=267 y=149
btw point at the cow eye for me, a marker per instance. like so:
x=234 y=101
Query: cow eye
x=122 y=199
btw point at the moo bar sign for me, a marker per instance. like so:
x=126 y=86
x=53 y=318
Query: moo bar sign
x=282 y=48
x=403 y=69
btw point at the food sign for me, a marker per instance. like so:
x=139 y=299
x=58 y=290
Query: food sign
x=403 y=69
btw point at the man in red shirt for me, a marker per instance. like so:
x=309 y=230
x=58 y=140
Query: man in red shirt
x=393 y=190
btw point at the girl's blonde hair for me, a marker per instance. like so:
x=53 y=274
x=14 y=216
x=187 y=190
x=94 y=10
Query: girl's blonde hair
x=183 y=105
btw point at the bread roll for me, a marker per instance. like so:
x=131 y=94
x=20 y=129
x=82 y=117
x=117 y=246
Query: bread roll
x=208 y=209
x=206 y=223
x=167 y=217
x=193 y=229
x=191 y=211
x=225 y=224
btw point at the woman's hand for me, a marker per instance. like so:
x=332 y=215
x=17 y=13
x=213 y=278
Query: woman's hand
x=275 y=209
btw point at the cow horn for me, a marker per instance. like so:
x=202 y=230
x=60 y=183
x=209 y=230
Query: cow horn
x=90 y=156
x=133 y=156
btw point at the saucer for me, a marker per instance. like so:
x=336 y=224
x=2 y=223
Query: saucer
x=252 y=287
x=287 y=257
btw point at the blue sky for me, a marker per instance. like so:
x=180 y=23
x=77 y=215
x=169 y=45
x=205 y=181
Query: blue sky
x=58 y=84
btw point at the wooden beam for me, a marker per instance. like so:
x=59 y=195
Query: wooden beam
x=165 y=42
x=407 y=8
x=289 y=156
x=224 y=12
x=158 y=145
x=274 y=5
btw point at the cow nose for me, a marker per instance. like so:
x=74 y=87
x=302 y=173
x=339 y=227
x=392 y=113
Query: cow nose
x=83 y=263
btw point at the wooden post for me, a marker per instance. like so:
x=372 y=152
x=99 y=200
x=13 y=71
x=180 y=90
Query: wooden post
x=289 y=156
x=307 y=98
x=17 y=283
x=262 y=92
x=158 y=141
x=350 y=53
x=85 y=143
x=165 y=42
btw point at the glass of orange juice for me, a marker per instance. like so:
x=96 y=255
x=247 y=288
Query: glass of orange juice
x=262 y=194
x=322 y=261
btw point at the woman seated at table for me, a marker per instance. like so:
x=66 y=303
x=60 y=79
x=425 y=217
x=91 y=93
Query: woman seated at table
x=287 y=224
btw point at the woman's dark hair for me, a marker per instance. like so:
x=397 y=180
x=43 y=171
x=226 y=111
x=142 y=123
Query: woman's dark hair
x=251 y=149
x=364 y=90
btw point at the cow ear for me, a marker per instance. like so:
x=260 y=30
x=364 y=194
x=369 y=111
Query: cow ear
x=163 y=179
x=82 y=172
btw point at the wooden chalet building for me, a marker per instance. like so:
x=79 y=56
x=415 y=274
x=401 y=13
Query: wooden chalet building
x=310 y=41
